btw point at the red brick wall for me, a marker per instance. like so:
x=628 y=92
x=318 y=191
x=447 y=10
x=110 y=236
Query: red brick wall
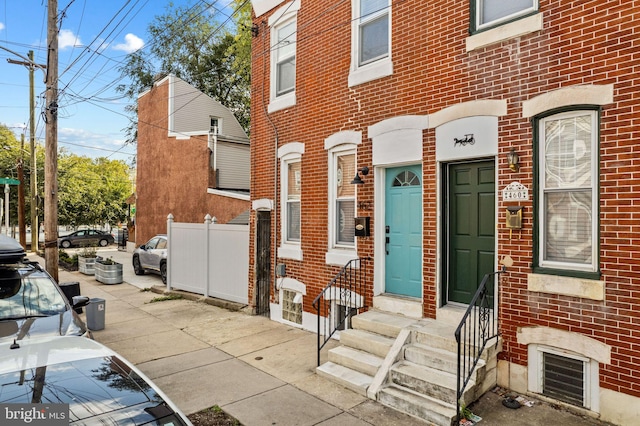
x=586 y=42
x=173 y=175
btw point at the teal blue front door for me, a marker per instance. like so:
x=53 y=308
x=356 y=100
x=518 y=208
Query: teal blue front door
x=403 y=231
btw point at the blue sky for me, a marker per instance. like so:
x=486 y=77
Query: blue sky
x=94 y=38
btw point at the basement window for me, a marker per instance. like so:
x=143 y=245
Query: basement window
x=564 y=376
x=292 y=306
x=343 y=311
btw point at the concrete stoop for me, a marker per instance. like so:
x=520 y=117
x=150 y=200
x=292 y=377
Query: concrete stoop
x=412 y=371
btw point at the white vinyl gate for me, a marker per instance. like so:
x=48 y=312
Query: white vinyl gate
x=209 y=259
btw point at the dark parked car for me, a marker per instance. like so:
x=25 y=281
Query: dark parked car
x=85 y=238
x=31 y=302
x=82 y=382
x=152 y=257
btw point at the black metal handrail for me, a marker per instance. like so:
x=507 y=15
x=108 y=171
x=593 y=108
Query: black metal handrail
x=477 y=327
x=346 y=290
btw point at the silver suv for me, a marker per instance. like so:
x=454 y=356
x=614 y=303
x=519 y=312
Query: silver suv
x=152 y=257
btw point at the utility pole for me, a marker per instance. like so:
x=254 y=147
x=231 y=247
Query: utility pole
x=33 y=173
x=51 y=145
x=21 y=225
x=33 y=178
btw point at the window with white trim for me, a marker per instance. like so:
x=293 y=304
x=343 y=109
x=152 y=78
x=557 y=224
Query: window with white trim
x=285 y=58
x=371 y=40
x=489 y=13
x=290 y=156
x=343 y=199
x=373 y=31
x=283 y=25
x=291 y=298
x=215 y=125
x=568 y=377
x=291 y=212
x=292 y=306
x=567 y=191
x=341 y=208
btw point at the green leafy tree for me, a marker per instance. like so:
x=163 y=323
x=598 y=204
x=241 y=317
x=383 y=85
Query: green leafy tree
x=92 y=191
x=202 y=46
x=13 y=152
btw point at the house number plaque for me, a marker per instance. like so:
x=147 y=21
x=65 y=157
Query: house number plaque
x=515 y=191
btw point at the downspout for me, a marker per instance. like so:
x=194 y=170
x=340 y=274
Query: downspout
x=275 y=160
x=215 y=155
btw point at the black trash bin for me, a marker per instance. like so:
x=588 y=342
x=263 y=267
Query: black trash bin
x=95 y=314
x=71 y=289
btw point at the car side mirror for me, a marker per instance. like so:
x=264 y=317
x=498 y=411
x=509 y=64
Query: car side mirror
x=80 y=301
x=142 y=247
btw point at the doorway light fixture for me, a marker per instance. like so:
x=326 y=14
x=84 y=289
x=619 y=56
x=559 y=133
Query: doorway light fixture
x=358 y=180
x=513 y=160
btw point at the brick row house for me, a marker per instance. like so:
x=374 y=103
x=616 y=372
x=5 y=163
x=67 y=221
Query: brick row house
x=193 y=159
x=439 y=142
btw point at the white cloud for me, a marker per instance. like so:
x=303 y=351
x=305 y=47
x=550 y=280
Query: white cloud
x=131 y=43
x=1 y=26
x=66 y=38
x=90 y=144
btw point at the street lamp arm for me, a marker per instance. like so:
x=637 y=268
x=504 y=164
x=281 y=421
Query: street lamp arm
x=28 y=62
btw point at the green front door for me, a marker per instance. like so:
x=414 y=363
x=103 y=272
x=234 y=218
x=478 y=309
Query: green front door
x=471 y=227
x=403 y=231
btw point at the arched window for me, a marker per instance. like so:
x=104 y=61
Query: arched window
x=406 y=178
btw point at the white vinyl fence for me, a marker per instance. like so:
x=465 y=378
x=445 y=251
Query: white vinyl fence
x=209 y=259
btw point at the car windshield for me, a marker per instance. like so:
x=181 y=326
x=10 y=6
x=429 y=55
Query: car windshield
x=29 y=295
x=100 y=390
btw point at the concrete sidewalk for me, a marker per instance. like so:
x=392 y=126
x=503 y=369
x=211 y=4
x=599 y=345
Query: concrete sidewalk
x=259 y=371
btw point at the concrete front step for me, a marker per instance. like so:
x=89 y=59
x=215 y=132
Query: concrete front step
x=438 y=334
x=382 y=323
x=366 y=341
x=420 y=406
x=437 y=384
x=440 y=359
x=394 y=304
x=351 y=379
x=355 y=359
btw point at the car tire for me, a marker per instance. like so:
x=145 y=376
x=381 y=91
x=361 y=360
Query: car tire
x=163 y=272
x=65 y=244
x=103 y=243
x=137 y=268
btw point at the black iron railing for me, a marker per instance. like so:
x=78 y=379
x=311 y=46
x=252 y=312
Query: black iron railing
x=478 y=326
x=342 y=298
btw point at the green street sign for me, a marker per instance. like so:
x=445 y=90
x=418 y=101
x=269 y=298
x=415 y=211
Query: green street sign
x=9 y=181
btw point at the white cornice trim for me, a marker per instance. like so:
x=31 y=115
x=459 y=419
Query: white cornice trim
x=486 y=107
x=260 y=7
x=405 y=122
x=575 y=342
x=588 y=94
x=344 y=137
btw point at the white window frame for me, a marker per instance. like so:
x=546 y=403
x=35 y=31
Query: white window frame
x=300 y=289
x=285 y=15
x=218 y=127
x=288 y=154
x=343 y=142
x=542 y=262
x=481 y=26
x=339 y=253
x=376 y=68
x=591 y=373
